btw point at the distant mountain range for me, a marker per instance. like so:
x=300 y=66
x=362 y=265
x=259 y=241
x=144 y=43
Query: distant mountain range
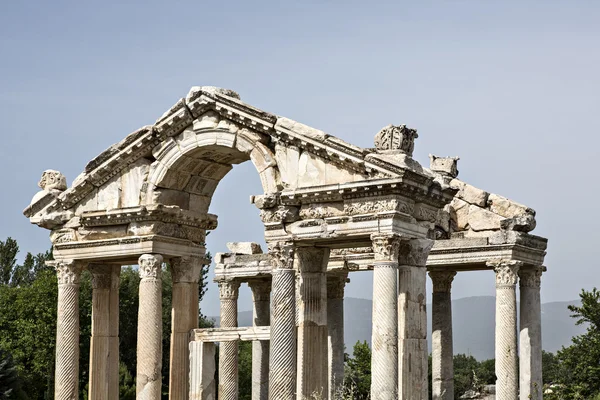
x=473 y=324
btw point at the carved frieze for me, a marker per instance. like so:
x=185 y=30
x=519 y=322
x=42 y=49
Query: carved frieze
x=278 y=215
x=150 y=266
x=319 y=211
x=442 y=280
x=371 y=206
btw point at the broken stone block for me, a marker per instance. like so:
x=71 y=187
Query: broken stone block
x=507 y=208
x=483 y=220
x=244 y=248
x=444 y=165
x=469 y=193
x=460 y=213
x=521 y=223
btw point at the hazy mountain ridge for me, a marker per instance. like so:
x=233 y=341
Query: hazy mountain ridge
x=473 y=324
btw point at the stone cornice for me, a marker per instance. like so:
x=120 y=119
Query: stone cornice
x=161 y=213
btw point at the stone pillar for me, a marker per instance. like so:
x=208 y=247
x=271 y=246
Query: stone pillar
x=412 y=320
x=335 y=324
x=185 y=272
x=202 y=371
x=282 y=353
x=104 y=343
x=149 y=337
x=261 y=294
x=507 y=385
x=530 y=347
x=228 y=351
x=384 y=357
x=66 y=383
x=311 y=292
x=441 y=339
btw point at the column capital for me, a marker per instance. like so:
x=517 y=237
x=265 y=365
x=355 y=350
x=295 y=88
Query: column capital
x=186 y=269
x=386 y=247
x=506 y=272
x=414 y=252
x=442 y=280
x=68 y=272
x=282 y=254
x=336 y=284
x=261 y=289
x=103 y=277
x=150 y=266
x=531 y=277
x=228 y=289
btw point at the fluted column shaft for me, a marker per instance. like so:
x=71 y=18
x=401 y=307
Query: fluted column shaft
x=228 y=355
x=104 y=343
x=185 y=272
x=384 y=356
x=507 y=384
x=530 y=348
x=335 y=324
x=66 y=384
x=261 y=294
x=282 y=353
x=149 y=337
x=312 y=322
x=442 y=348
x=412 y=320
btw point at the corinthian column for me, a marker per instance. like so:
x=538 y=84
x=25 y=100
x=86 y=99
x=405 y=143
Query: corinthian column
x=149 y=337
x=335 y=325
x=66 y=381
x=441 y=338
x=507 y=385
x=282 y=374
x=185 y=272
x=104 y=344
x=228 y=355
x=261 y=294
x=312 y=322
x=412 y=319
x=530 y=348
x=384 y=357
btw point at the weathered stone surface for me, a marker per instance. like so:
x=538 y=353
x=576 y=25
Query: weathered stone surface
x=459 y=213
x=507 y=208
x=521 y=223
x=244 y=248
x=396 y=138
x=469 y=193
x=447 y=166
x=483 y=220
x=301 y=129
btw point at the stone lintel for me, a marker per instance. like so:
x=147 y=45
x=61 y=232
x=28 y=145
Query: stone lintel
x=128 y=249
x=231 y=334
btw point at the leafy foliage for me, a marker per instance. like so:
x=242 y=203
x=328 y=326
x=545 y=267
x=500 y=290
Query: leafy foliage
x=10 y=383
x=357 y=371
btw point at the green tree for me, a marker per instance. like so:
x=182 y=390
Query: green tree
x=245 y=370
x=578 y=374
x=357 y=371
x=10 y=383
x=8 y=259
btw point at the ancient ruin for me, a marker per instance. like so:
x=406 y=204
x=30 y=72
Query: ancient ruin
x=329 y=209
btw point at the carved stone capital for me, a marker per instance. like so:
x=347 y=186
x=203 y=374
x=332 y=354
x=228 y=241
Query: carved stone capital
x=414 y=252
x=336 y=284
x=312 y=259
x=386 y=247
x=186 y=269
x=506 y=272
x=442 y=280
x=531 y=278
x=150 y=266
x=261 y=289
x=282 y=255
x=104 y=276
x=68 y=272
x=228 y=289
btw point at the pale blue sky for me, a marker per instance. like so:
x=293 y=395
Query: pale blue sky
x=510 y=87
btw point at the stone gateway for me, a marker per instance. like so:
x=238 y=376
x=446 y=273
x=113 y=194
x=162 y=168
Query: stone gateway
x=329 y=209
